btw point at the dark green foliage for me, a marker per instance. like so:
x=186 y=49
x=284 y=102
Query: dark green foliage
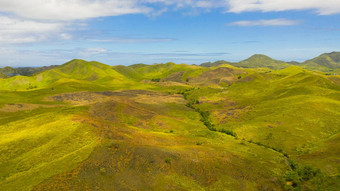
x=293 y=164
x=30 y=86
x=156 y=79
x=167 y=160
x=308 y=172
x=300 y=175
x=228 y=132
x=199 y=143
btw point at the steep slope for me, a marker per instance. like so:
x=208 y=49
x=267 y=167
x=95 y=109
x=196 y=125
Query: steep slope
x=293 y=111
x=24 y=71
x=77 y=72
x=152 y=141
x=157 y=72
x=129 y=72
x=8 y=71
x=255 y=61
x=259 y=60
x=217 y=63
x=3 y=76
x=325 y=62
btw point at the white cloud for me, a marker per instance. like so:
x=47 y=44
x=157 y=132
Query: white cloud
x=271 y=22
x=323 y=7
x=92 y=51
x=70 y=9
x=13 y=30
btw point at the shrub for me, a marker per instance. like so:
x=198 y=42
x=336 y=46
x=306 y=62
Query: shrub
x=155 y=79
x=228 y=132
x=102 y=170
x=167 y=160
x=308 y=172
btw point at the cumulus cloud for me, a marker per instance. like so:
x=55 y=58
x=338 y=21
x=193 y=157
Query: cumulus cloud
x=25 y=21
x=13 y=30
x=270 y=22
x=323 y=7
x=70 y=10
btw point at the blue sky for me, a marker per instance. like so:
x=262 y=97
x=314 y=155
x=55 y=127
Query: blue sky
x=47 y=32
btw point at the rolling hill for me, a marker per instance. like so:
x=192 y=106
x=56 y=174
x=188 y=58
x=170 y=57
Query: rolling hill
x=260 y=124
x=327 y=62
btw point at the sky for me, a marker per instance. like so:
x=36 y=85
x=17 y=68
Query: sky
x=124 y=32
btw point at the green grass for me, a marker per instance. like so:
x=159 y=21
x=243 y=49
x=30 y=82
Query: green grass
x=154 y=135
x=38 y=146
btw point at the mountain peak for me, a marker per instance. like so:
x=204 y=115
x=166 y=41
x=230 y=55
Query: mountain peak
x=327 y=60
x=260 y=56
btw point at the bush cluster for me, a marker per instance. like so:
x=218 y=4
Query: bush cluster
x=299 y=174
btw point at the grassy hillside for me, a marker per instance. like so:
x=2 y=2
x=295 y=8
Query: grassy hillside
x=261 y=61
x=90 y=126
x=24 y=71
x=255 y=61
x=76 y=73
x=328 y=62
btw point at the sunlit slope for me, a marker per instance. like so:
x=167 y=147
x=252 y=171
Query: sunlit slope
x=255 y=61
x=152 y=141
x=39 y=144
x=2 y=76
x=261 y=61
x=327 y=62
x=159 y=71
x=293 y=110
x=86 y=125
x=74 y=72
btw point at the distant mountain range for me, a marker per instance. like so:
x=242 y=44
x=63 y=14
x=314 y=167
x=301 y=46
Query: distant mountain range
x=22 y=71
x=328 y=62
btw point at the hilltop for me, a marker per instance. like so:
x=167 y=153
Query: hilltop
x=326 y=62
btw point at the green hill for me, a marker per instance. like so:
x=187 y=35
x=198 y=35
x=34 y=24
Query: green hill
x=259 y=61
x=24 y=71
x=89 y=126
x=8 y=71
x=217 y=63
x=255 y=61
x=327 y=62
x=77 y=72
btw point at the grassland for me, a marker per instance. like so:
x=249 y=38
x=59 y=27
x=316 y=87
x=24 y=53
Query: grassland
x=89 y=126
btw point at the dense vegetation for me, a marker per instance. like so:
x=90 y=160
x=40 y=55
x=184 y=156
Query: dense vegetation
x=90 y=126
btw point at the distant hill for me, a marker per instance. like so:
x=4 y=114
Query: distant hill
x=324 y=62
x=8 y=71
x=259 y=61
x=255 y=61
x=217 y=63
x=24 y=71
x=327 y=62
x=77 y=72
